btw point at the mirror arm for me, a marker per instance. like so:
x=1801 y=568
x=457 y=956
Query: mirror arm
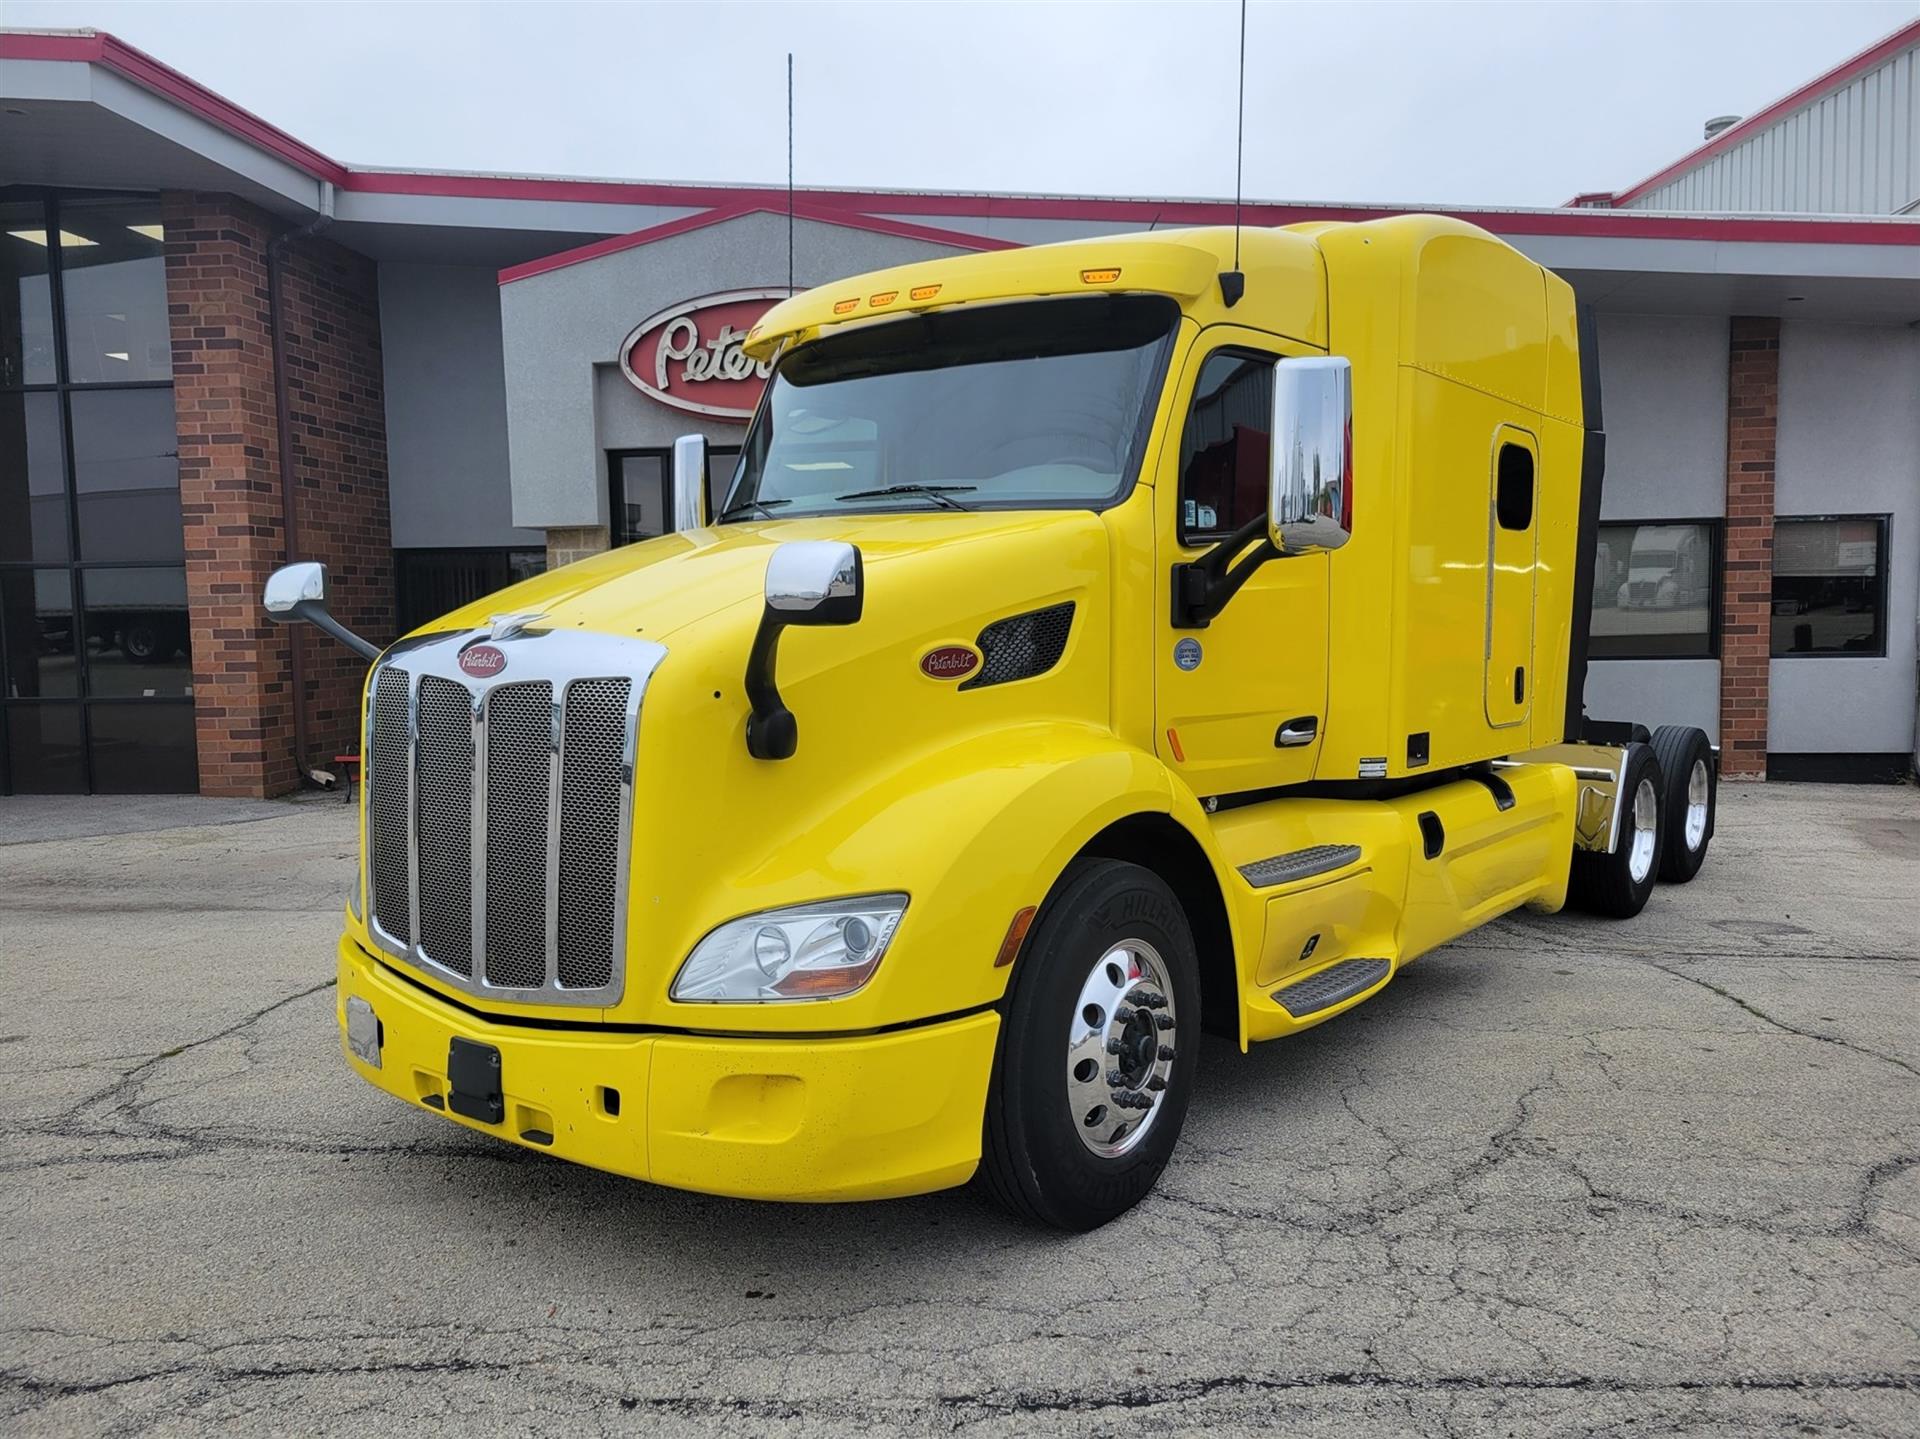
x=321 y=619
x=1202 y=587
x=772 y=731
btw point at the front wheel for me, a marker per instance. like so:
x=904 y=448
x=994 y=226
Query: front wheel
x=1097 y=1052
x=1617 y=884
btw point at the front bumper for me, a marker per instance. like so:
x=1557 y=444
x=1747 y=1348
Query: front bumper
x=863 y=1117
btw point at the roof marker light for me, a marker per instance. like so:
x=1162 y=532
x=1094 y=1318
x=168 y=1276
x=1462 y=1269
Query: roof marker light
x=885 y=297
x=1100 y=277
x=923 y=292
x=840 y=307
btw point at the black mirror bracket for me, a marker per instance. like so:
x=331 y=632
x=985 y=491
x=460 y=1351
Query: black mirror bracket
x=772 y=731
x=809 y=582
x=1202 y=587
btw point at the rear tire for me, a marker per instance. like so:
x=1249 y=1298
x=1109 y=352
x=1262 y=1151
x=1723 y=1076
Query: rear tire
x=1617 y=884
x=1688 y=802
x=1097 y=1051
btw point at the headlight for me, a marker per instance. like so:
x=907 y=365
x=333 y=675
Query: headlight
x=811 y=951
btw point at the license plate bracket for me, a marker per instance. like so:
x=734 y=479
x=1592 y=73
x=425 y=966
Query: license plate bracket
x=473 y=1081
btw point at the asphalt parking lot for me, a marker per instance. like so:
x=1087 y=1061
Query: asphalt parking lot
x=1565 y=1177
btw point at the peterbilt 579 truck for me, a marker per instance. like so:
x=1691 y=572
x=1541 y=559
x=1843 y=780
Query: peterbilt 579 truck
x=1099 y=644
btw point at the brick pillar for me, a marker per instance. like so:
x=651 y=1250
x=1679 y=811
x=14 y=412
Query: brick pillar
x=229 y=490
x=1746 y=583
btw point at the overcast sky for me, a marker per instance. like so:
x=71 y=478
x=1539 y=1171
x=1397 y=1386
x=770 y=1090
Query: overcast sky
x=1456 y=103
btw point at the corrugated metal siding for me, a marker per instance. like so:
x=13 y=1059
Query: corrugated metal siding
x=1855 y=151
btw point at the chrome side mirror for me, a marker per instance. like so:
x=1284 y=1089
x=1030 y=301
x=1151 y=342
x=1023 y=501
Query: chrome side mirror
x=297 y=594
x=809 y=582
x=1310 y=486
x=690 y=482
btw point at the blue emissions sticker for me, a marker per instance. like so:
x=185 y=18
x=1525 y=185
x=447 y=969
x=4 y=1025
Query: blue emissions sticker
x=1186 y=654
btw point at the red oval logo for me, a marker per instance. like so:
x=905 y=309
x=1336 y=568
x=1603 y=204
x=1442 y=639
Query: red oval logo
x=949 y=662
x=482 y=661
x=690 y=356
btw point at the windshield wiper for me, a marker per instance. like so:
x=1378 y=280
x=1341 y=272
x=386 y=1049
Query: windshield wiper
x=764 y=506
x=937 y=493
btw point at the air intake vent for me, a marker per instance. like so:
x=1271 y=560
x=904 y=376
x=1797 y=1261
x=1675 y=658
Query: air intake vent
x=1022 y=646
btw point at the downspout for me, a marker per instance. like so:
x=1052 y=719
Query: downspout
x=277 y=249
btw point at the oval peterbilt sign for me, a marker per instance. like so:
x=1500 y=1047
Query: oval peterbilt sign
x=949 y=662
x=482 y=661
x=689 y=356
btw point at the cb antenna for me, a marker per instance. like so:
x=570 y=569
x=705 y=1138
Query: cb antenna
x=1233 y=284
x=790 y=288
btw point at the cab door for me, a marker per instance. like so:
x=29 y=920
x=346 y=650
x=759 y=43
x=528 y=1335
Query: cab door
x=1241 y=703
x=1512 y=553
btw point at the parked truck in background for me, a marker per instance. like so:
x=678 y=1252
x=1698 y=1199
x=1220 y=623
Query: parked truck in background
x=1100 y=643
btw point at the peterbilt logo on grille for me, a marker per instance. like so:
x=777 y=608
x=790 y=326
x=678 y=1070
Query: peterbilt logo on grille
x=949 y=662
x=690 y=356
x=482 y=661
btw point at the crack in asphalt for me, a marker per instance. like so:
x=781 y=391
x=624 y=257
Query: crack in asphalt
x=1782 y=1025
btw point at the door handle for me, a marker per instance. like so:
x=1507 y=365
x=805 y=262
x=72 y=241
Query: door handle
x=1296 y=732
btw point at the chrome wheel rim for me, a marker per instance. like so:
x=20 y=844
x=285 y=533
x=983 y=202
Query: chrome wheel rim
x=1120 y=1048
x=1697 y=791
x=1646 y=814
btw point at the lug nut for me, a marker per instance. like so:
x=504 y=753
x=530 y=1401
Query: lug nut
x=1166 y=1051
x=1164 y=1021
x=1116 y=1079
x=1114 y=1046
x=1156 y=1084
x=1123 y=1016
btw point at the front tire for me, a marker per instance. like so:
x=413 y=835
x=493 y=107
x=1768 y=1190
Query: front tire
x=1687 y=809
x=1097 y=1052
x=1618 y=883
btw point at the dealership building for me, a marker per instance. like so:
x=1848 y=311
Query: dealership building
x=221 y=350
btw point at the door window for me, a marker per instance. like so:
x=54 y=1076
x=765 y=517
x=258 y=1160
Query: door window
x=1226 y=447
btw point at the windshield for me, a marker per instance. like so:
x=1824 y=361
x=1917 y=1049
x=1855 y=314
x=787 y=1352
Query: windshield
x=1035 y=404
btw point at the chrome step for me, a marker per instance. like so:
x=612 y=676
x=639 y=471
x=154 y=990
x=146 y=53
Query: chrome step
x=1331 y=985
x=1298 y=864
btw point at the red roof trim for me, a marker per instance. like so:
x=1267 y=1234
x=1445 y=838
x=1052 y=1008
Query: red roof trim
x=163 y=80
x=613 y=245
x=1874 y=55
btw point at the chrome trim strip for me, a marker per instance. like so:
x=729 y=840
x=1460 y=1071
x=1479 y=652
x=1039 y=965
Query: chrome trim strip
x=561 y=658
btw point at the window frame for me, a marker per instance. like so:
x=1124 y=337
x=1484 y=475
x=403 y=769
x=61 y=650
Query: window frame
x=1883 y=526
x=1198 y=539
x=616 y=503
x=1715 y=526
x=64 y=387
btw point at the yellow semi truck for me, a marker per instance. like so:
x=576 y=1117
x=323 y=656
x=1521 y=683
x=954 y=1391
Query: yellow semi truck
x=1099 y=643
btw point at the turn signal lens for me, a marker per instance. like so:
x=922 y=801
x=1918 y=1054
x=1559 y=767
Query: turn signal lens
x=1100 y=277
x=923 y=292
x=840 y=307
x=1016 y=936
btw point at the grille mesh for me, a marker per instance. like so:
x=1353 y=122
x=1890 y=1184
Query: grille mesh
x=593 y=754
x=519 y=769
x=443 y=822
x=1022 y=646
x=386 y=782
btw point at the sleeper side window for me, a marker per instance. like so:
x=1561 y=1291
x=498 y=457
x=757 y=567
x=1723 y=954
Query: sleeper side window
x=1513 y=488
x=1226 y=447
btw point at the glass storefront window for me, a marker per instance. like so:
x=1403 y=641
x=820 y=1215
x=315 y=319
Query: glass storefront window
x=44 y=751
x=126 y=469
x=33 y=477
x=642 y=486
x=1829 y=595
x=41 y=630
x=114 y=279
x=142 y=749
x=26 y=295
x=137 y=638
x=1653 y=591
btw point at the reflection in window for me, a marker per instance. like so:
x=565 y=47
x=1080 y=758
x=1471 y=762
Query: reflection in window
x=137 y=639
x=1226 y=449
x=126 y=467
x=1827 y=591
x=26 y=295
x=113 y=275
x=1653 y=592
x=36 y=607
x=33 y=478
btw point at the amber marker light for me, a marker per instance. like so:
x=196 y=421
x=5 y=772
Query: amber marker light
x=923 y=292
x=840 y=307
x=1016 y=936
x=1173 y=743
x=1100 y=277
x=885 y=297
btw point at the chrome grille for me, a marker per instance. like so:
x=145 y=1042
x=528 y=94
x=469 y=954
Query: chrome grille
x=519 y=782
x=498 y=810
x=443 y=822
x=590 y=786
x=386 y=781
